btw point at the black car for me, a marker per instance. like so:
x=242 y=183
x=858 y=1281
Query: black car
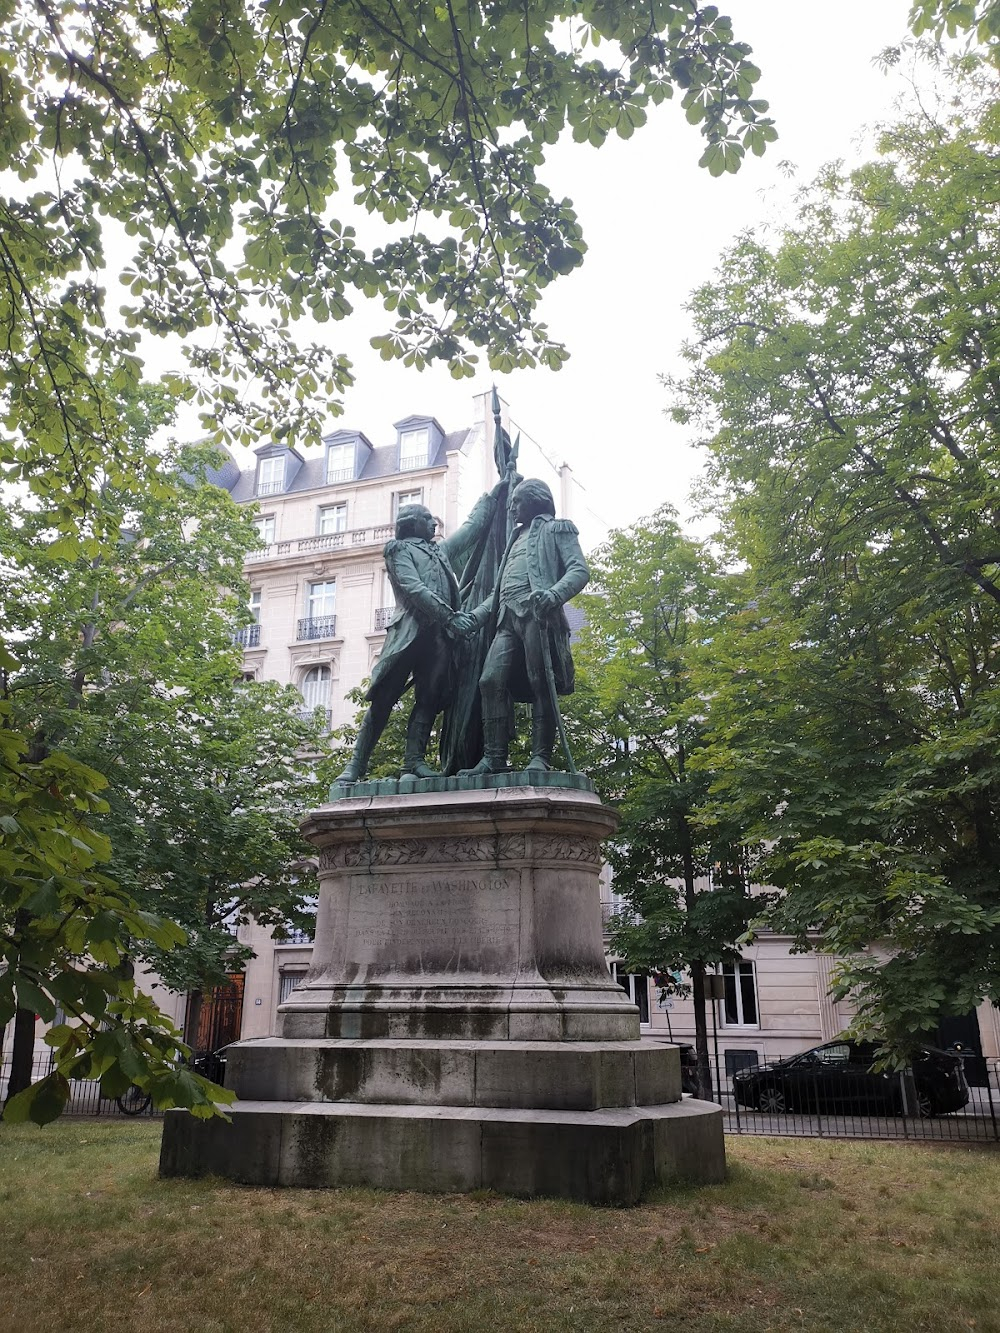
x=211 y=1064
x=839 y=1078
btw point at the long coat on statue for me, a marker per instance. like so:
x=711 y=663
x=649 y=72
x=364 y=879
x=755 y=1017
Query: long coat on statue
x=555 y=564
x=425 y=583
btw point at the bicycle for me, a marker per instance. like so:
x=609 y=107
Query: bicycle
x=134 y=1101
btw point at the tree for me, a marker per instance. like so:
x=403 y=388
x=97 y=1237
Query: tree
x=204 y=820
x=846 y=383
x=656 y=600
x=65 y=935
x=128 y=670
x=216 y=137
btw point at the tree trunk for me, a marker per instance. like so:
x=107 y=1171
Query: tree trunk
x=22 y=1052
x=704 y=1073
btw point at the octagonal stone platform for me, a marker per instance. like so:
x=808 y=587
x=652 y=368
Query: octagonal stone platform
x=458 y=1028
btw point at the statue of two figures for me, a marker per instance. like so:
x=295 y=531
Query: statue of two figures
x=479 y=624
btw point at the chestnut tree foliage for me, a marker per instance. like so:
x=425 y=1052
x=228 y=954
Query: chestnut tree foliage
x=845 y=380
x=148 y=799
x=638 y=721
x=193 y=151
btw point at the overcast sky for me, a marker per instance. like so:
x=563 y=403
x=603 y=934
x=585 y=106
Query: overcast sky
x=656 y=224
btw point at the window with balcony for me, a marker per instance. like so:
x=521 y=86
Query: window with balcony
x=414 y=447
x=386 y=608
x=315 y=690
x=340 y=462
x=739 y=1005
x=265 y=529
x=248 y=636
x=271 y=475
x=320 y=621
x=332 y=519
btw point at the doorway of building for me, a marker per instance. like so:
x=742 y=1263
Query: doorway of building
x=214 y=1018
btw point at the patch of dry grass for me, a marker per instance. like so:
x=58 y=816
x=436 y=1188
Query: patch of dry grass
x=811 y=1235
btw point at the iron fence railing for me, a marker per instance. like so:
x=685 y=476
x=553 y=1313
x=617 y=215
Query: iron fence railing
x=85 y=1094
x=856 y=1104
x=383 y=614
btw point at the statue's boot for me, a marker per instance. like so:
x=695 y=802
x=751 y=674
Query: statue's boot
x=418 y=733
x=543 y=735
x=495 y=741
x=363 y=746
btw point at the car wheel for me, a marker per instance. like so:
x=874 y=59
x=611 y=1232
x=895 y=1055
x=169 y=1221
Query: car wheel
x=924 y=1104
x=772 y=1100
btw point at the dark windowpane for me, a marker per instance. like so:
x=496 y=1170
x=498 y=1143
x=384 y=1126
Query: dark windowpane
x=748 y=993
x=729 y=981
x=642 y=997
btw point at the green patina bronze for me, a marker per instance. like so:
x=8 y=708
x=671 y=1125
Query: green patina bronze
x=408 y=784
x=479 y=625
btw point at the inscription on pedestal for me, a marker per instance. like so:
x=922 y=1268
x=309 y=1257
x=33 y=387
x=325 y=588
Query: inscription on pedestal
x=448 y=922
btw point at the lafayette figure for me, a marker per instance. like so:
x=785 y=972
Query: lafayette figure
x=529 y=658
x=423 y=634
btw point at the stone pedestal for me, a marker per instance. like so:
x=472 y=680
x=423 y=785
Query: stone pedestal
x=458 y=1028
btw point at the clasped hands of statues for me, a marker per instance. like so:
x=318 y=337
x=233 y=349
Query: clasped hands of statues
x=464 y=624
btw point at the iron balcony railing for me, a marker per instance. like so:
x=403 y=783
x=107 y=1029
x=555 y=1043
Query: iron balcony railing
x=330 y=541
x=270 y=487
x=317 y=627
x=307 y=714
x=622 y=910
x=247 y=637
x=383 y=614
x=293 y=935
x=335 y=474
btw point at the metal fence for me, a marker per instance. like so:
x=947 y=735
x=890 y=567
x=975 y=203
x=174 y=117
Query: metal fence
x=85 y=1094
x=828 y=1104
x=824 y=1106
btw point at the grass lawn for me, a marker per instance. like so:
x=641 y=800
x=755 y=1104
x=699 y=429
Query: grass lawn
x=805 y=1235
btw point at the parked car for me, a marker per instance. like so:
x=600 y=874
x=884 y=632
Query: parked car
x=838 y=1077
x=211 y=1064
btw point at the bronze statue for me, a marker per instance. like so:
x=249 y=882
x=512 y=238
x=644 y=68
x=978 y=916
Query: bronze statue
x=423 y=634
x=529 y=656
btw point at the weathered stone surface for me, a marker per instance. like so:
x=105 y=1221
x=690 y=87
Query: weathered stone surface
x=461 y=915
x=459 y=1028
x=580 y=1076
x=601 y=1157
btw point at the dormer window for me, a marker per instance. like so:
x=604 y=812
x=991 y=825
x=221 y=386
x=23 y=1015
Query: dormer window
x=271 y=475
x=340 y=463
x=413 y=448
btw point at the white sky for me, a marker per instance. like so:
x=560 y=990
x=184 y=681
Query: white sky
x=655 y=224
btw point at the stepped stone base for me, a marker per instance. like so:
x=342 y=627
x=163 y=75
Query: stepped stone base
x=609 y=1156
x=458 y=1028
x=558 y=1076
